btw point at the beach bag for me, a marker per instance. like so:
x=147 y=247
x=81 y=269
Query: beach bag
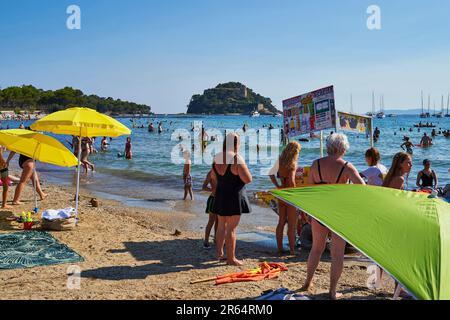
x=58 y=224
x=58 y=220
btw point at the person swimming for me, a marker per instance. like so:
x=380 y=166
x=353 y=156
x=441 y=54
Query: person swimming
x=426 y=141
x=408 y=145
x=104 y=144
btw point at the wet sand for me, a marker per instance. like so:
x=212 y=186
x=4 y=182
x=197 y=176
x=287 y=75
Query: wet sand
x=132 y=253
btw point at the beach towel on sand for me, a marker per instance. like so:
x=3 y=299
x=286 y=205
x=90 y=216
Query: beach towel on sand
x=32 y=249
x=281 y=294
x=51 y=214
x=264 y=271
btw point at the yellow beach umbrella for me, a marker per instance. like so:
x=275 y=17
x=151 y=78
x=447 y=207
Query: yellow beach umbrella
x=81 y=122
x=39 y=147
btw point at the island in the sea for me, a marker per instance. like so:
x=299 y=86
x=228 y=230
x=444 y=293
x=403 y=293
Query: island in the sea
x=231 y=98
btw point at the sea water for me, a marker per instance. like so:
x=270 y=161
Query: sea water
x=152 y=178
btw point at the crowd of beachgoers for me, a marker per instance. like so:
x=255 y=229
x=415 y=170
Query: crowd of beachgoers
x=229 y=175
x=21 y=116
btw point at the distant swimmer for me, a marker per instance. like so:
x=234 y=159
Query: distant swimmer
x=104 y=144
x=408 y=145
x=160 y=128
x=433 y=133
x=376 y=134
x=426 y=141
x=151 y=128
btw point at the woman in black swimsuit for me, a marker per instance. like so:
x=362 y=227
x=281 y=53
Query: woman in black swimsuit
x=427 y=178
x=27 y=165
x=330 y=170
x=230 y=175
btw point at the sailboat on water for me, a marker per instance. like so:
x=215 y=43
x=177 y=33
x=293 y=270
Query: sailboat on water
x=381 y=115
x=372 y=113
x=448 y=104
x=441 y=114
x=429 y=102
x=423 y=114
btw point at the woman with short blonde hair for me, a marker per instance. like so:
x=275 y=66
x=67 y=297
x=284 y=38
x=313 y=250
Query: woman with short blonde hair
x=332 y=169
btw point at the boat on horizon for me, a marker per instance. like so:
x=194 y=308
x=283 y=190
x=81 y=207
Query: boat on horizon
x=424 y=114
x=424 y=125
x=254 y=114
x=372 y=113
x=381 y=114
x=448 y=104
x=441 y=114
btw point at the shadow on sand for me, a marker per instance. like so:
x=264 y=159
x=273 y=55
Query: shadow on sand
x=178 y=255
x=5 y=224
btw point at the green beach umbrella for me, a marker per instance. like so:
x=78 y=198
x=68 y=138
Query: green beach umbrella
x=405 y=233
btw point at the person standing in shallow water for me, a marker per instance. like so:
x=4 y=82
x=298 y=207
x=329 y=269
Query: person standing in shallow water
x=187 y=178
x=287 y=167
x=230 y=174
x=427 y=178
x=209 y=185
x=128 y=153
x=376 y=171
x=332 y=169
x=396 y=179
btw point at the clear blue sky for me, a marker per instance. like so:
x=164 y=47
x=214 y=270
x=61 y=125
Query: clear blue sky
x=161 y=52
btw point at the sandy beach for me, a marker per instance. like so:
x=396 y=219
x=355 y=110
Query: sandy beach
x=132 y=253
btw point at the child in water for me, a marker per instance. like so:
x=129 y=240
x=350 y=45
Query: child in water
x=187 y=178
x=128 y=153
x=210 y=185
x=4 y=177
x=104 y=145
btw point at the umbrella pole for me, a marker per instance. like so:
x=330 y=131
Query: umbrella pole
x=78 y=179
x=34 y=189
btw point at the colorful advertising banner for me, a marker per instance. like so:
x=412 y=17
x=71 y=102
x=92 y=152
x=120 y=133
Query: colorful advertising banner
x=312 y=111
x=354 y=123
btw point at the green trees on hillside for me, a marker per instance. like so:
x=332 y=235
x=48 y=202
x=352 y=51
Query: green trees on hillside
x=231 y=97
x=30 y=98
